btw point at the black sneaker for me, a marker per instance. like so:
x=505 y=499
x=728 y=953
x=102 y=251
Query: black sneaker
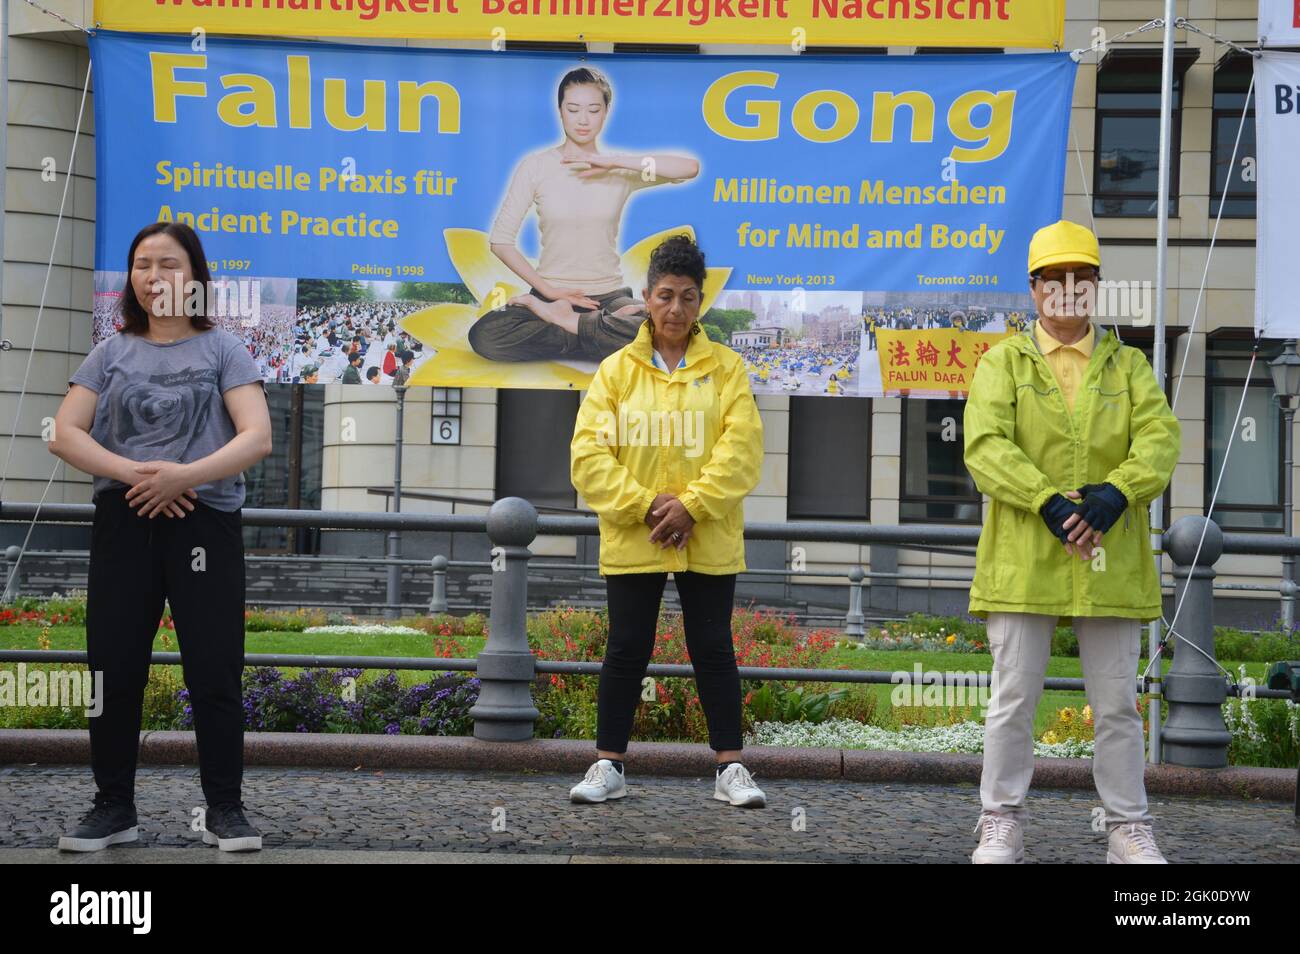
x=225 y=826
x=108 y=823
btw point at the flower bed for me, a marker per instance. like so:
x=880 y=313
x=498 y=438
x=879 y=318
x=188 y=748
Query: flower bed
x=963 y=737
x=1265 y=732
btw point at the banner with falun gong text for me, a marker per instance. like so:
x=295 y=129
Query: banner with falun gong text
x=1279 y=22
x=1277 y=136
x=358 y=191
x=932 y=363
x=1036 y=24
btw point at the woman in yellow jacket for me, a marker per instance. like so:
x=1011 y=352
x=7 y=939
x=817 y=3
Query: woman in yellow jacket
x=667 y=444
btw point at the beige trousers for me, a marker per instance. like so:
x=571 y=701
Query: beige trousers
x=1108 y=649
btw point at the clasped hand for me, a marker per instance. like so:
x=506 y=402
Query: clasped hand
x=164 y=487
x=669 y=521
x=1080 y=521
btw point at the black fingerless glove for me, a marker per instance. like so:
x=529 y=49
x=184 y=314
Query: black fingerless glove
x=1055 y=512
x=1103 y=504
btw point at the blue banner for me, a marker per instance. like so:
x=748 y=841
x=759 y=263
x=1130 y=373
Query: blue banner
x=824 y=191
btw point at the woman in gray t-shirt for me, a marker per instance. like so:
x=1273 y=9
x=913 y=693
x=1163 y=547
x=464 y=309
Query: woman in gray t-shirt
x=166 y=415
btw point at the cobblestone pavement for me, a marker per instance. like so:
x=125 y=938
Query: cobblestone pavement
x=661 y=818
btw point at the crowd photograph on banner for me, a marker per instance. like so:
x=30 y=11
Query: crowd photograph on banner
x=611 y=432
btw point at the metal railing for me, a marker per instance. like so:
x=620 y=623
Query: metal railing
x=439 y=568
x=1195 y=687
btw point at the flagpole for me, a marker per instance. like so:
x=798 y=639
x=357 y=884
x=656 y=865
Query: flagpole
x=1158 y=348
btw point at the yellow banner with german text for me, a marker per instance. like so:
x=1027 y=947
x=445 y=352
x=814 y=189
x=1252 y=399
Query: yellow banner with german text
x=799 y=23
x=933 y=361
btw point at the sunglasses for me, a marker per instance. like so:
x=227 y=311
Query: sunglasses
x=1081 y=275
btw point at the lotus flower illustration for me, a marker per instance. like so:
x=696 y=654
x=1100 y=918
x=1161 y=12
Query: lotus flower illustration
x=445 y=327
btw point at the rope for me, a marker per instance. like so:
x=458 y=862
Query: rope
x=1223 y=468
x=1180 y=23
x=1232 y=163
x=1077 y=55
x=49 y=268
x=40 y=312
x=1083 y=178
x=1205 y=275
x=1157 y=24
x=1186 y=24
x=27 y=539
x=59 y=17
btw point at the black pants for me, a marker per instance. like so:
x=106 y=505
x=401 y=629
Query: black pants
x=513 y=333
x=634 y=600
x=196 y=563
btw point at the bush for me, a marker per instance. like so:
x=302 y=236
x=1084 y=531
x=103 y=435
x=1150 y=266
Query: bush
x=56 y=611
x=776 y=702
x=287 y=621
x=162 y=710
x=568 y=703
x=765 y=626
x=1265 y=732
x=860 y=704
x=1071 y=725
x=337 y=700
x=438 y=707
x=1266 y=646
x=444 y=624
x=567 y=706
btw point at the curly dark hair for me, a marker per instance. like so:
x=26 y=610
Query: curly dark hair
x=677 y=255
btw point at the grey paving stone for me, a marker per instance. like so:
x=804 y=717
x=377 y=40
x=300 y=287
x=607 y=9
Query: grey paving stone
x=662 y=818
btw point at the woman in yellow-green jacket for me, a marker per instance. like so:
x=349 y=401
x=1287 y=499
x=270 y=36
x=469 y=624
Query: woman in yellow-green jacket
x=667 y=444
x=1069 y=434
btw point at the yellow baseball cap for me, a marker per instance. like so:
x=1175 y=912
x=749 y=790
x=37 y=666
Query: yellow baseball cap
x=1063 y=241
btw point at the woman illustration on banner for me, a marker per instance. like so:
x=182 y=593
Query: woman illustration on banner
x=578 y=306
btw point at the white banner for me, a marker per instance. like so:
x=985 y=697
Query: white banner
x=1279 y=22
x=1277 y=247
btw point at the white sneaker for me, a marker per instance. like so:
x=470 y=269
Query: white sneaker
x=1002 y=840
x=735 y=785
x=1133 y=844
x=603 y=782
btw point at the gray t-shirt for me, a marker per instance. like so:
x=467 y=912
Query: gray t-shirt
x=164 y=402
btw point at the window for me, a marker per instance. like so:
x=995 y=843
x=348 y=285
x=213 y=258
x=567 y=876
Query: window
x=1125 y=156
x=829 y=475
x=534 y=430
x=444 y=420
x=290 y=476
x=1250 y=495
x=936 y=485
x=1231 y=82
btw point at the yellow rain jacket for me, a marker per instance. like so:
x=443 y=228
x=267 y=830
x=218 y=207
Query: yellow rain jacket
x=695 y=434
x=1023 y=445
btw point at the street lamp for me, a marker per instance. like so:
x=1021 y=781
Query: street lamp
x=1285 y=369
